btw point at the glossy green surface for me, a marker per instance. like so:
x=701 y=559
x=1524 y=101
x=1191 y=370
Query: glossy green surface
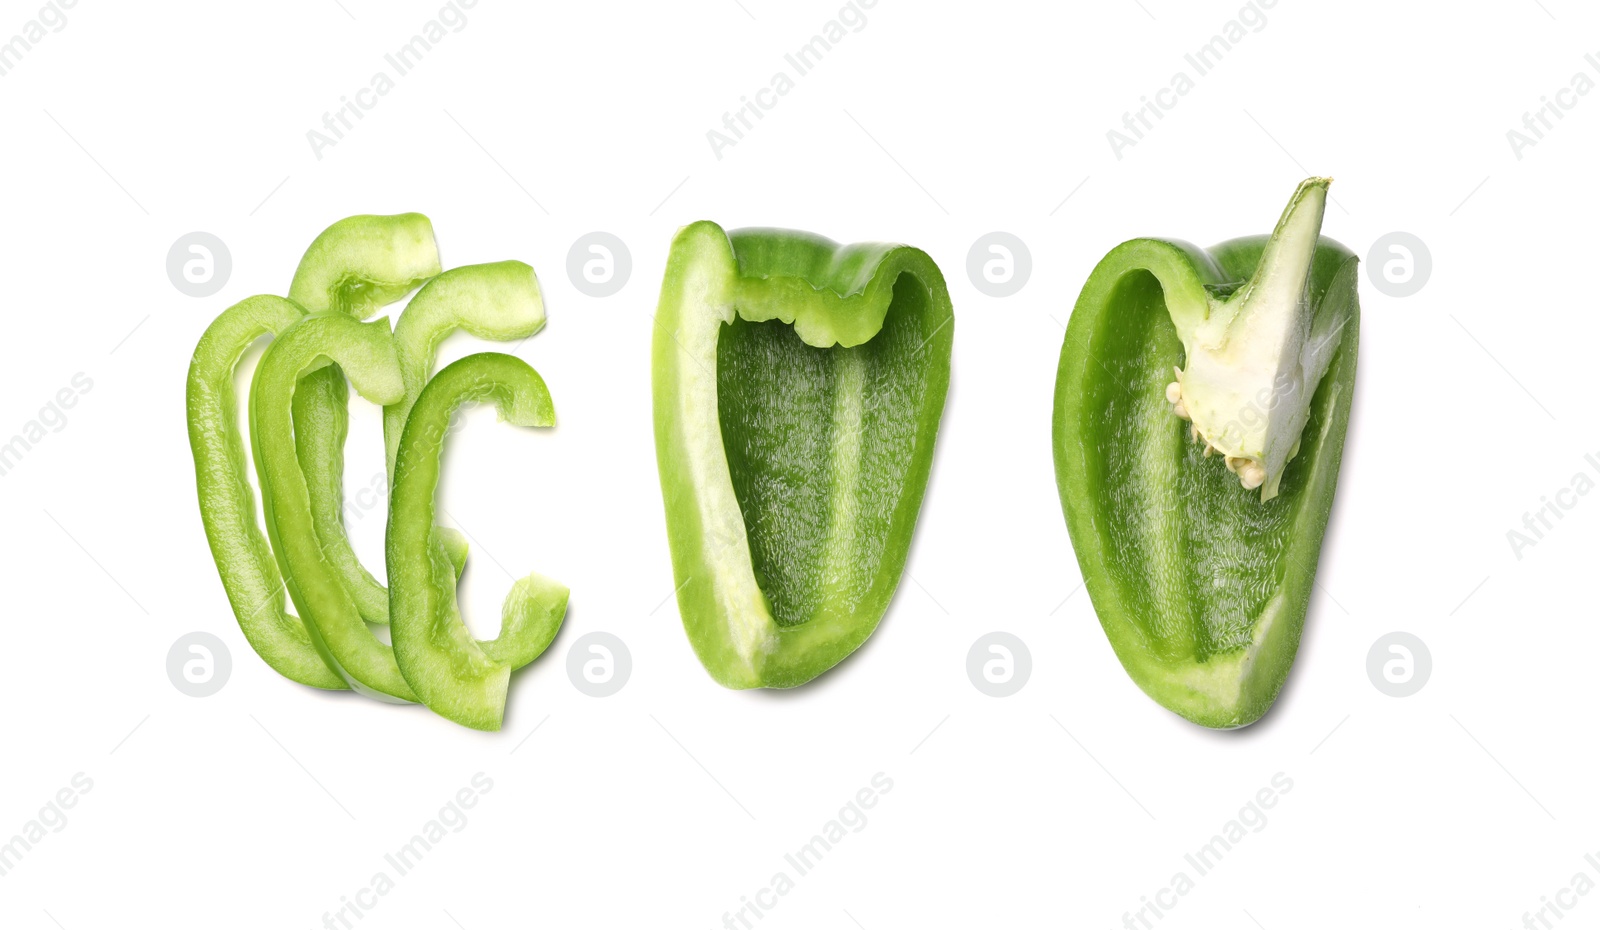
x=356 y=266
x=499 y=301
x=1202 y=588
x=299 y=423
x=458 y=677
x=365 y=351
x=363 y=263
x=227 y=504
x=798 y=388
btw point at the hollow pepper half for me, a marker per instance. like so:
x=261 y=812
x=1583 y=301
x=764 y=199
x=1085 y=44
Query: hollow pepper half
x=1200 y=411
x=798 y=388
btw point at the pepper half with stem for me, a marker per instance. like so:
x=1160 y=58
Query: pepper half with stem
x=1202 y=571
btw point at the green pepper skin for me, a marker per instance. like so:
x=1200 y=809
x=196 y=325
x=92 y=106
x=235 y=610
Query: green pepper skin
x=227 y=505
x=1201 y=587
x=798 y=387
x=499 y=301
x=456 y=676
x=363 y=263
x=365 y=351
x=357 y=266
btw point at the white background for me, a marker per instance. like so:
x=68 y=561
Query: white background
x=665 y=805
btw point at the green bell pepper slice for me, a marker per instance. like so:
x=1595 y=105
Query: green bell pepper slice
x=354 y=266
x=357 y=266
x=458 y=677
x=365 y=352
x=798 y=388
x=499 y=301
x=1201 y=567
x=244 y=560
x=362 y=264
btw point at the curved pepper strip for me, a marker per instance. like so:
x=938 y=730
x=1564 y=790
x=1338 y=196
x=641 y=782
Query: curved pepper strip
x=321 y=424
x=460 y=678
x=798 y=389
x=227 y=505
x=361 y=264
x=498 y=301
x=1201 y=585
x=365 y=352
x=356 y=266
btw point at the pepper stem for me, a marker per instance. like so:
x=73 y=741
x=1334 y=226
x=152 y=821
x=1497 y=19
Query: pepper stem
x=1252 y=366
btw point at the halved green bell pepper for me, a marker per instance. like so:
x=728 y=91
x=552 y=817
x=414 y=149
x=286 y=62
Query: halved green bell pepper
x=798 y=387
x=1201 y=568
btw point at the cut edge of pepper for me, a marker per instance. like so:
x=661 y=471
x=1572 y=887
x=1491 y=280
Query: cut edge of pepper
x=462 y=679
x=729 y=619
x=1187 y=273
x=365 y=351
x=242 y=553
x=1248 y=373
